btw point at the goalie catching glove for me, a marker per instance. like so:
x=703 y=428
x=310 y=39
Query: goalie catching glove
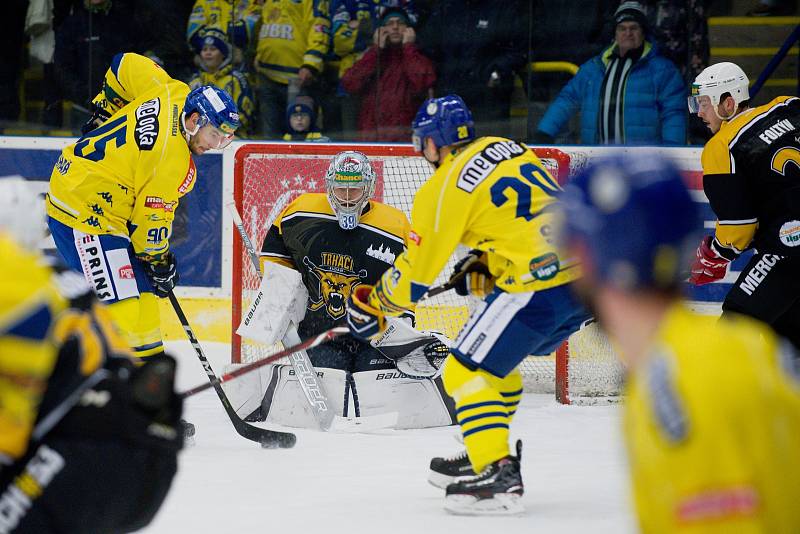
x=708 y=265
x=471 y=275
x=415 y=354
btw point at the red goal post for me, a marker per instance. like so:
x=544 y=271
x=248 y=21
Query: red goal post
x=267 y=176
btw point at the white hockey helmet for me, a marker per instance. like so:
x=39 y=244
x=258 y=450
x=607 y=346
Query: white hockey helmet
x=715 y=81
x=350 y=182
x=21 y=211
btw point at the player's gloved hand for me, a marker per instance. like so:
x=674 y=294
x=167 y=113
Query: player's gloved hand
x=708 y=265
x=364 y=320
x=163 y=274
x=99 y=116
x=471 y=276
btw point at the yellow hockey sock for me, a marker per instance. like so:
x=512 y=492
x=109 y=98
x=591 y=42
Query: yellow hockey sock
x=139 y=321
x=482 y=409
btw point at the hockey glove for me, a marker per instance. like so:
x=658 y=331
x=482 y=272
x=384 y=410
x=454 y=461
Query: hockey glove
x=364 y=320
x=99 y=116
x=163 y=275
x=471 y=275
x=708 y=265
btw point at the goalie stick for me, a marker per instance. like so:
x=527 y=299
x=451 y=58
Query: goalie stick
x=305 y=372
x=267 y=438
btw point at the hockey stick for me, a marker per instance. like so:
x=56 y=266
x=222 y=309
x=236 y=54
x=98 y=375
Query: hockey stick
x=309 y=343
x=267 y=438
x=304 y=370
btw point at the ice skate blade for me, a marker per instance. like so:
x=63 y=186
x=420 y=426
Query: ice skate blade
x=442 y=481
x=500 y=504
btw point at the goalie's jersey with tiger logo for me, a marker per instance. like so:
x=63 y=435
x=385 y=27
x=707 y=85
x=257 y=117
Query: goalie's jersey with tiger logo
x=307 y=237
x=712 y=425
x=751 y=176
x=126 y=176
x=493 y=195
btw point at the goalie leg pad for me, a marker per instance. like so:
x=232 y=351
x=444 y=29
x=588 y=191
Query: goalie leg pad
x=284 y=402
x=419 y=403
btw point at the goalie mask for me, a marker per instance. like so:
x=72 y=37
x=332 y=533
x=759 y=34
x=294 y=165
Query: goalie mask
x=350 y=182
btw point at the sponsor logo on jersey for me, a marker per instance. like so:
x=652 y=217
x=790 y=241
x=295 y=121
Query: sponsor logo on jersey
x=476 y=344
x=715 y=504
x=62 y=165
x=126 y=272
x=414 y=237
x=789 y=234
x=186 y=185
x=278 y=31
x=174 y=128
x=481 y=165
x=758 y=273
x=92 y=221
x=93 y=263
x=154 y=202
x=146 y=131
x=107 y=197
x=383 y=254
x=96 y=209
x=544 y=267
x=776 y=130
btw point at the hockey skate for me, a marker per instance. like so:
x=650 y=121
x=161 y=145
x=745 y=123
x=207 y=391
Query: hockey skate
x=450 y=469
x=494 y=491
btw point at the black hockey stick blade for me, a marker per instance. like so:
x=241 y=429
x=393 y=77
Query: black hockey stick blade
x=267 y=438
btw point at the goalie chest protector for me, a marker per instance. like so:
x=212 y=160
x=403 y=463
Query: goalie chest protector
x=333 y=261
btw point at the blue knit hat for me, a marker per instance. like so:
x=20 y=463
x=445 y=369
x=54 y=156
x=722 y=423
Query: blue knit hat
x=216 y=38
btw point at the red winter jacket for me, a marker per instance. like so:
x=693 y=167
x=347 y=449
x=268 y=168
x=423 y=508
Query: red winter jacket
x=404 y=75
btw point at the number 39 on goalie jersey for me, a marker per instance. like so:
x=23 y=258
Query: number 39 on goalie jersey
x=493 y=195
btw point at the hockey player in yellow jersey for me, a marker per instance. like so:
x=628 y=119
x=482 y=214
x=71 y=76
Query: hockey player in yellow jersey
x=491 y=194
x=113 y=193
x=712 y=408
x=58 y=348
x=751 y=168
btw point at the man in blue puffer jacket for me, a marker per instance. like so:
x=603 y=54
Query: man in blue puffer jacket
x=629 y=94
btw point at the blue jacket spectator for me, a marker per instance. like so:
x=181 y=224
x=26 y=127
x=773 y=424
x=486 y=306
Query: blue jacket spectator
x=629 y=94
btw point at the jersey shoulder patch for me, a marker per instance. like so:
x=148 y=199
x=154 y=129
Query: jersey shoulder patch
x=668 y=408
x=146 y=131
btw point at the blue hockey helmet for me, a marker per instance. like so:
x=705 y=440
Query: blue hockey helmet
x=446 y=120
x=633 y=217
x=216 y=108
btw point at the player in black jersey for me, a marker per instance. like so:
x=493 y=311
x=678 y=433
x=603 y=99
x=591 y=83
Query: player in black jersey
x=338 y=241
x=751 y=176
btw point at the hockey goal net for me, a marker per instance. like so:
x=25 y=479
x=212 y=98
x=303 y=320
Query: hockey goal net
x=268 y=176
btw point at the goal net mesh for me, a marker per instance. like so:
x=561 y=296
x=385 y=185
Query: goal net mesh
x=269 y=176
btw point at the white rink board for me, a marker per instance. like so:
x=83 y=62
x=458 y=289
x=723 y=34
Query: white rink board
x=573 y=467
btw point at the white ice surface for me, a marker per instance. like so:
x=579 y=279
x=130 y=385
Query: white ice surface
x=573 y=467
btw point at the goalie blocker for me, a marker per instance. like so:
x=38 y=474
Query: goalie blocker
x=411 y=386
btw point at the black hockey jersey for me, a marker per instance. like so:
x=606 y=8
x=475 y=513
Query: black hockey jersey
x=307 y=237
x=751 y=176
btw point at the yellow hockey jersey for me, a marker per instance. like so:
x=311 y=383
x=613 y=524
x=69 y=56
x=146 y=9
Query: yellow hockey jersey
x=35 y=320
x=712 y=423
x=126 y=177
x=294 y=33
x=493 y=195
x=236 y=18
x=129 y=76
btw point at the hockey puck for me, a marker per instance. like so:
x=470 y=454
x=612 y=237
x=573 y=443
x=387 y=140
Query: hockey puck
x=283 y=442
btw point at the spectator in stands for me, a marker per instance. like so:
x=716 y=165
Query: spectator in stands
x=393 y=78
x=629 y=94
x=291 y=46
x=301 y=120
x=353 y=24
x=238 y=19
x=477 y=47
x=216 y=69
x=86 y=41
x=12 y=42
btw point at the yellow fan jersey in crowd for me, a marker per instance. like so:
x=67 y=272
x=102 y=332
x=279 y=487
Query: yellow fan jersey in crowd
x=712 y=424
x=293 y=33
x=493 y=195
